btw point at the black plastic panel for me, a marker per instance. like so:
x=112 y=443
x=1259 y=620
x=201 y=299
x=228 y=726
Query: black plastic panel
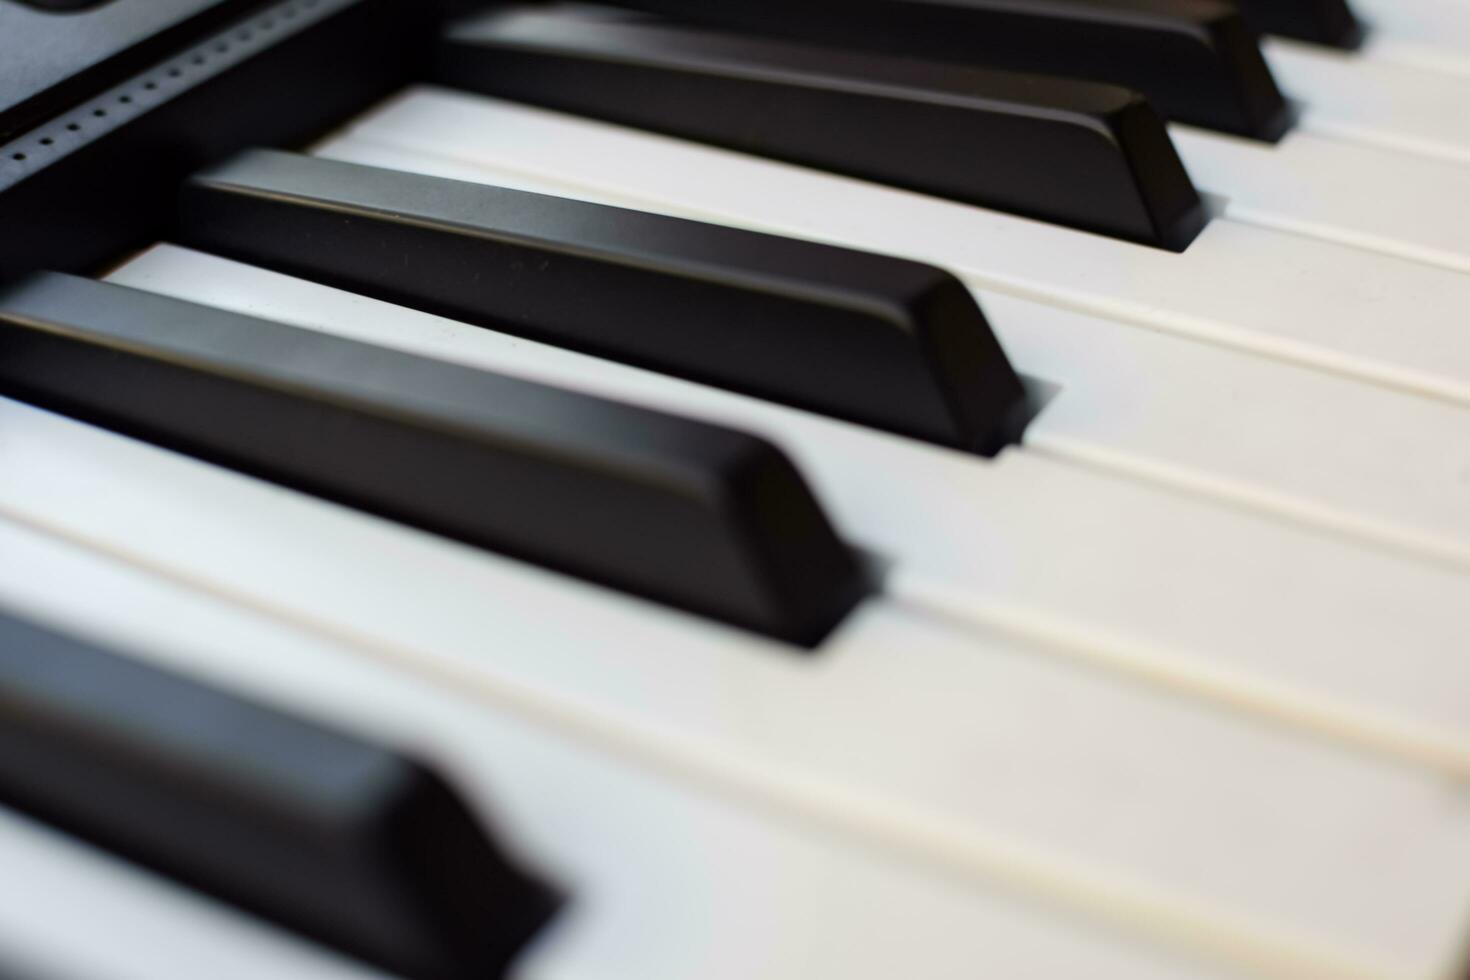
x=99 y=179
x=52 y=61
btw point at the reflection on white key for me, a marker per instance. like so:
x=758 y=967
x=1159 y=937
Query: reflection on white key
x=1254 y=611
x=945 y=742
x=1334 y=307
x=665 y=879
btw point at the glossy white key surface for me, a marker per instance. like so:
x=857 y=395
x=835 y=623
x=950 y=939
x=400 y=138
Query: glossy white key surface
x=1382 y=465
x=1183 y=822
x=71 y=912
x=1310 y=445
x=998 y=793
x=1170 y=691
x=1432 y=33
x=1282 y=295
x=1251 y=610
x=1394 y=103
x=658 y=907
x=665 y=879
x=1385 y=200
x=1445 y=22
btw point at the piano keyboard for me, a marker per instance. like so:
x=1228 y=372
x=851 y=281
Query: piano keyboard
x=571 y=531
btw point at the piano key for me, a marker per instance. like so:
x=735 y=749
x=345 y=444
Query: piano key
x=237 y=799
x=1079 y=153
x=865 y=337
x=1301 y=442
x=779 y=897
x=139 y=930
x=1128 y=577
x=1195 y=62
x=1328 y=22
x=69 y=911
x=1431 y=33
x=1444 y=21
x=1310 y=447
x=1281 y=851
x=1259 y=290
x=1311 y=185
x=1304 y=184
x=1307 y=445
x=710 y=520
x=1375 y=100
x=1220 y=158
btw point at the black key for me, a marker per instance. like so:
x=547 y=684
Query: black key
x=1195 y=60
x=869 y=338
x=1087 y=155
x=694 y=515
x=350 y=844
x=1329 y=22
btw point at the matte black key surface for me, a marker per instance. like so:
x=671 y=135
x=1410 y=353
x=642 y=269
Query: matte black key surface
x=1087 y=155
x=1329 y=22
x=341 y=840
x=873 y=339
x=695 y=515
x=1195 y=60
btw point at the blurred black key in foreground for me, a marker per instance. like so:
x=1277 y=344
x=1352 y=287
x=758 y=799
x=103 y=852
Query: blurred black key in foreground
x=876 y=340
x=1196 y=60
x=1082 y=154
x=346 y=842
x=698 y=516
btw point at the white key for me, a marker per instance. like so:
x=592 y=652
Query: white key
x=943 y=742
x=1382 y=465
x=1402 y=204
x=1433 y=33
x=665 y=881
x=1251 y=610
x=1330 y=306
x=70 y=912
x=1445 y=22
x=1402 y=105
x=1309 y=445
